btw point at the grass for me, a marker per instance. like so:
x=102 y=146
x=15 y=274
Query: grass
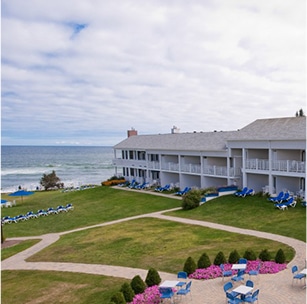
x=150 y=242
x=140 y=243
x=57 y=287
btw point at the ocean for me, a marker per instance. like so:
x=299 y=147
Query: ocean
x=24 y=166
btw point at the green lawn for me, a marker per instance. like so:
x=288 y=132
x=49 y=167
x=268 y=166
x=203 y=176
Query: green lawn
x=146 y=242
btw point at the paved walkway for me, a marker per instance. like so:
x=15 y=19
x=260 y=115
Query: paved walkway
x=274 y=288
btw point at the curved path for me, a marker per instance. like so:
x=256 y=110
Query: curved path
x=274 y=288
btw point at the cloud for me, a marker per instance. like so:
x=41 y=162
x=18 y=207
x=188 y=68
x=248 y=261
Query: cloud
x=86 y=71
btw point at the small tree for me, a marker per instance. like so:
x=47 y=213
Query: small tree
x=204 y=261
x=233 y=257
x=189 y=266
x=219 y=259
x=280 y=257
x=250 y=255
x=152 y=278
x=128 y=292
x=138 y=285
x=51 y=181
x=191 y=199
x=264 y=255
x=118 y=298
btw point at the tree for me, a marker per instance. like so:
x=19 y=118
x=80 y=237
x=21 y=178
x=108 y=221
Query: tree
x=189 y=266
x=152 y=278
x=51 y=181
x=191 y=199
x=300 y=113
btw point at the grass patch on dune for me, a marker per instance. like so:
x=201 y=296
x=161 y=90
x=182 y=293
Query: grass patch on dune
x=149 y=242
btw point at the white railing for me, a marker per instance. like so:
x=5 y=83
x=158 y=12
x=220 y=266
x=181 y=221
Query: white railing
x=170 y=166
x=154 y=165
x=191 y=168
x=278 y=165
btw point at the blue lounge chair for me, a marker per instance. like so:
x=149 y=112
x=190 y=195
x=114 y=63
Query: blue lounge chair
x=184 y=191
x=52 y=211
x=69 y=207
x=165 y=188
x=277 y=198
x=61 y=209
x=42 y=212
x=31 y=215
x=284 y=205
x=8 y=220
x=240 y=193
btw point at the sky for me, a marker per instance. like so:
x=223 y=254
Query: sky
x=78 y=72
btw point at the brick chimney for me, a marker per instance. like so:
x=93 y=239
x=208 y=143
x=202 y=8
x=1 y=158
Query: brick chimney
x=132 y=132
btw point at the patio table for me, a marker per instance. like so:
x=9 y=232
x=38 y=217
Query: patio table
x=169 y=283
x=243 y=289
x=238 y=266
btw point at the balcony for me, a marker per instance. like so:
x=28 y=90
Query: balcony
x=154 y=165
x=222 y=171
x=292 y=166
x=170 y=167
x=191 y=168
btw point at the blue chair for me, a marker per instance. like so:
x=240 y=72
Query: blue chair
x=232 y=300
x=243 y=192
x=225 y=273
x=253 y=298
x=277 y=198
x=227 y=288
x=242 y=261
x=256 y=271
x=166 y=292
x=296 y=274
x=248 y=283
x=182 y=275
x=186 y=290
x=239 y=276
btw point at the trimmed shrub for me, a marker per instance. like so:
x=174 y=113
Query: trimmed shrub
x=118 y=298
x=152 y=278
x=138 y=285
x=219 y=259
x=280 y=257
x=264 y=255
x=203 y=261
x=250 y=255
x=191 y=199
x=189 y=266
x=128 y=292
x=233 y=257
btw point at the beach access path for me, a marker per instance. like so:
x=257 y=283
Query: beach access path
x=274 y=288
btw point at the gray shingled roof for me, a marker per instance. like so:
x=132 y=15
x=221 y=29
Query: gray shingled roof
x=291 y=128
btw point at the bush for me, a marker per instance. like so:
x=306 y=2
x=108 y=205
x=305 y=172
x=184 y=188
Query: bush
x=280 y=257
x=152 y=278
x=138 y=285
x=233 y=257
x=128 y=292
x=189 y=266
x=264 y=255
x=250 y=255
x=203 y=261
x=191 y=199
x=219 y=259
x=118 y=298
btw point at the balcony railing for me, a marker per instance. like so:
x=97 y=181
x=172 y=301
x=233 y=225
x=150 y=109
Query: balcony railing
x=279 y=165
x=170 y=166
x=154 y=165
x=191 y=168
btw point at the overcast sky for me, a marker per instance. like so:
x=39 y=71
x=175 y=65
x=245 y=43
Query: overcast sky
x=84 y=72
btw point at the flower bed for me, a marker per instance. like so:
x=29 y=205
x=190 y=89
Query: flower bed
x=214 y=271
x=151 y=295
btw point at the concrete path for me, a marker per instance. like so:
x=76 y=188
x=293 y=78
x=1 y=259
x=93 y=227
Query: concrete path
x=274 y=288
